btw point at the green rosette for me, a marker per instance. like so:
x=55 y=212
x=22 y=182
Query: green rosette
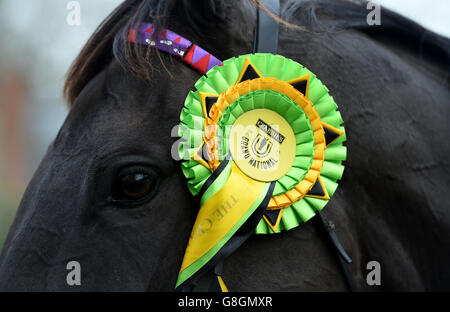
x=219 y=80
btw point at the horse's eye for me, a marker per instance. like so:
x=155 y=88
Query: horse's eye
x=133 y=186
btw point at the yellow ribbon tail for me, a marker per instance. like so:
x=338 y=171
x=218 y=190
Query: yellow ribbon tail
x=232 y=203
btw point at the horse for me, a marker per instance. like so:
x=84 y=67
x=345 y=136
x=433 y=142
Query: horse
x=390 y=82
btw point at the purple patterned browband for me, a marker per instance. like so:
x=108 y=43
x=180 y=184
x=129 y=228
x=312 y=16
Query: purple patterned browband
x=172 y=43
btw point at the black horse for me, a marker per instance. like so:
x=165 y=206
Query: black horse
x=391 y=82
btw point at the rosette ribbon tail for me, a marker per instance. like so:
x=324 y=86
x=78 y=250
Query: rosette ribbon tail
x=232 y=204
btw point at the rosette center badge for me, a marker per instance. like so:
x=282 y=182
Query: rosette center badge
x=262 y=144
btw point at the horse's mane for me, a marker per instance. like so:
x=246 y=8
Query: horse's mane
x=110 y=38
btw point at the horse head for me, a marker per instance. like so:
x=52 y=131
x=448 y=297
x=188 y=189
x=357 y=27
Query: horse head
x=109 y=195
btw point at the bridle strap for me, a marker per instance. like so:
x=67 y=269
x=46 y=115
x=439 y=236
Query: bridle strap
x=344 y=259
x=168 y=41
x=265 y=39
x=266 y=32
